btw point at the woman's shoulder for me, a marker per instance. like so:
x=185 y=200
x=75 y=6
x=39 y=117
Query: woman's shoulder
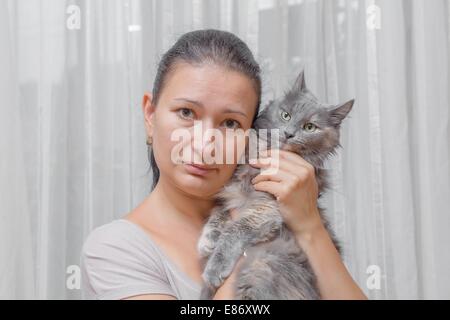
x=120 y=235
x=114 y=231
x=121 y=240
x=118 y=259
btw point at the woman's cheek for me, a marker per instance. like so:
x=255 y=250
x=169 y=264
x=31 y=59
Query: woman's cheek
x=165 y=143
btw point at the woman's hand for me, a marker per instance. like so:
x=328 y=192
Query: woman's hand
x=295 y=187
x=227 y=289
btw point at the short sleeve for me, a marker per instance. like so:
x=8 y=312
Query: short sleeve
x=116 y=263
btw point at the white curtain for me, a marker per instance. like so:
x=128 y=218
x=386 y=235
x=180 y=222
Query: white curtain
x=72 y=143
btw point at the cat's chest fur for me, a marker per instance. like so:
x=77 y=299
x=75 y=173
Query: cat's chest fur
x=240 y=192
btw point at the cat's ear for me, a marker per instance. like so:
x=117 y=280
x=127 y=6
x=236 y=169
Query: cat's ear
x=339 y=112
x=300 y=84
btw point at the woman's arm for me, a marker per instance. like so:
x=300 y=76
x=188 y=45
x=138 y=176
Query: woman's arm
x=333 y=279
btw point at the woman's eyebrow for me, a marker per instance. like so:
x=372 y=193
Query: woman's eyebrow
x=198 y=103
x=235 y=111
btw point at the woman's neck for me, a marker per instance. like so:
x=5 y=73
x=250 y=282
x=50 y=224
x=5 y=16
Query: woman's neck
x=179 y=205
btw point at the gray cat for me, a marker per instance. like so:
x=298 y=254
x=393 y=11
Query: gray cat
x=275 y=267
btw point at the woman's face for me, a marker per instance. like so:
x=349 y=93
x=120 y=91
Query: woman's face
x=200 y=99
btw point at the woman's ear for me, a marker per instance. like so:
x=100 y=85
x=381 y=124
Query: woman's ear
x=149 y=112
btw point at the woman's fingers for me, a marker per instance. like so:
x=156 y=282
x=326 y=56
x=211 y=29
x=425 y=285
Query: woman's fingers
x=284 y=175
x=279 y=176
x=287 y=161
x=272 y=187
x=295 y=159
x=289 y=155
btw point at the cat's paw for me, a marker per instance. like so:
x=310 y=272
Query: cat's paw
x=212 y=279
x=207 y=292
x=205 y=247
x=207 y=243
x=215 y=273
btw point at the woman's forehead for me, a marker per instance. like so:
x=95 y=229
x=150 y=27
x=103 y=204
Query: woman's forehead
x=210 y=84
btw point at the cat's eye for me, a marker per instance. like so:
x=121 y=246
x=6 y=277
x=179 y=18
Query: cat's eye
x=285 y=116
x=310 y=127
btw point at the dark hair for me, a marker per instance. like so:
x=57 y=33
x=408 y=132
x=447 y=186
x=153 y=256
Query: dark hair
x=205 y=46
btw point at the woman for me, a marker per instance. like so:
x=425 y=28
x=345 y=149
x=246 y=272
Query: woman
x=208 y=77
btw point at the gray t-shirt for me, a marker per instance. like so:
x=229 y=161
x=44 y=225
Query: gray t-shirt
x=120 y=260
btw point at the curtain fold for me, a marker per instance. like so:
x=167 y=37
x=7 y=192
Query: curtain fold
x=72 y=142
x=16 y=254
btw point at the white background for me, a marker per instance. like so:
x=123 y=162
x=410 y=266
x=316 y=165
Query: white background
x=72 y=143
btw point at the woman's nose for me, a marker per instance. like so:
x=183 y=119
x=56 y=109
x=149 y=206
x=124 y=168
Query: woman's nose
x=204 y=132
x=204 y=136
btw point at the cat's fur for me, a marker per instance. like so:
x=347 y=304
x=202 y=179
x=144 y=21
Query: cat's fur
x=275 y=266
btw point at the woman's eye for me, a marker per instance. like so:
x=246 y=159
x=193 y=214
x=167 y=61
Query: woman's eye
x=285 y=116
x=310 y=127
x=186 y=113
x=231 y=124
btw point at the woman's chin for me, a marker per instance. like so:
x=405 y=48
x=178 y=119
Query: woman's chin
x=198 y=185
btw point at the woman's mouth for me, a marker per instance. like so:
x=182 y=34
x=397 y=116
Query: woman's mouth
x=198 y=169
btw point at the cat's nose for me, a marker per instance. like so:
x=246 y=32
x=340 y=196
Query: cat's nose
x=288 y=134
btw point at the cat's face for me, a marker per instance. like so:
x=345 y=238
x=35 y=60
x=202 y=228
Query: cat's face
x=306 y=126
